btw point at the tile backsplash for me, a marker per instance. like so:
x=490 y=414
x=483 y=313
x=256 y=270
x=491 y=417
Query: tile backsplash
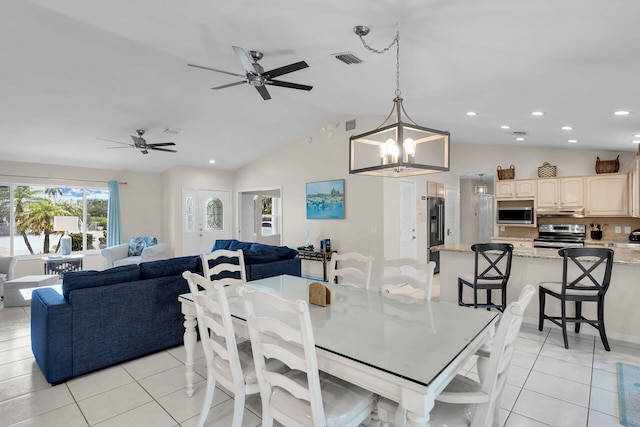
x=607 y=225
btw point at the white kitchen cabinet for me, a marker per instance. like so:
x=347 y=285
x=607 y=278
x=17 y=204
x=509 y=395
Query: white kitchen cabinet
x=515 y=189
x=634 y=188
x=560 y=193
x=607 y=195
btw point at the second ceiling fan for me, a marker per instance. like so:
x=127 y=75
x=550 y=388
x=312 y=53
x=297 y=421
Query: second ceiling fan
x=255 y=74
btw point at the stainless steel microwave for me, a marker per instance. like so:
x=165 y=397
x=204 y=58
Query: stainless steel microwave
x=515 y=215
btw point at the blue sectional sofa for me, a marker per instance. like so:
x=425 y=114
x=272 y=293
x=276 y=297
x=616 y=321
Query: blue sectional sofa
x=107 y=317
x=262 y=260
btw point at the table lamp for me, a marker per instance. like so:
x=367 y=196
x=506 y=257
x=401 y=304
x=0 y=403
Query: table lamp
x=66 y=224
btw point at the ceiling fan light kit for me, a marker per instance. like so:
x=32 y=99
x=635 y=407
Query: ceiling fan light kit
x=397 y=149
x=256 y=76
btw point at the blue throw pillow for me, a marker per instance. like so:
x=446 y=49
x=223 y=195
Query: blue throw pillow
x=239 y=245
x=90 y=278
x=138 y=244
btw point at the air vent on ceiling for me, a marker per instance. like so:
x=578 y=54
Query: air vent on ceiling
x=520 y=133
x=347 y=57
x=351 y=125
x=172 y=131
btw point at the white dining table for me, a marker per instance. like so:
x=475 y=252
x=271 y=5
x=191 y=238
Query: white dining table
x=404 y=349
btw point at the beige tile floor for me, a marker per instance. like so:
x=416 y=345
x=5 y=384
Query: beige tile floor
x=547 y=386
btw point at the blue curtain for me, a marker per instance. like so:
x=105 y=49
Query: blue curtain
x=114 y=229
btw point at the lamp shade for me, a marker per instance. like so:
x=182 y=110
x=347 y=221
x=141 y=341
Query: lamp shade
x=65 y=223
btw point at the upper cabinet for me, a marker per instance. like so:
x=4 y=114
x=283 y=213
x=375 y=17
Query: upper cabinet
x=634 y=188
x=561 y=193
x=515 y=189
x=607 y=195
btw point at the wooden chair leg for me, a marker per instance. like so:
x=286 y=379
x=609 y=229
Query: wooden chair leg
x=489 y=303
x=578 y=315
x=603 y=334
x=460 y=288
x=564 y=324
x=541 y=297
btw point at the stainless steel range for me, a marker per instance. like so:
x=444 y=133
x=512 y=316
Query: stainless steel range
x=560 y=236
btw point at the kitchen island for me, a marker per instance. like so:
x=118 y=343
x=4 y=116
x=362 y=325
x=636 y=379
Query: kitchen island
x=530 y=266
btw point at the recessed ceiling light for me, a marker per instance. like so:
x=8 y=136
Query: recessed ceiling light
x=637 y=135
x=212 y=161
x=537 y=113
x=520 y=139
x=572 y=141
x=566 y=128
x=622 y=113
x=505 y=127
x=636 y=142
x=471 y=113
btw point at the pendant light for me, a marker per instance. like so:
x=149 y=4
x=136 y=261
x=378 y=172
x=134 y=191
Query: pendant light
x=482 y=188
x=397 y=148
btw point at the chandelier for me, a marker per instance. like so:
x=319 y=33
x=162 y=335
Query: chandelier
x=397 y=148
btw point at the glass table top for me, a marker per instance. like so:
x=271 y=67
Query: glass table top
x=411 y=338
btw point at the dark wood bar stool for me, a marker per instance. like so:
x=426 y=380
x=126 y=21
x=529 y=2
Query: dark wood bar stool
x=592 y=267
x=491 y=272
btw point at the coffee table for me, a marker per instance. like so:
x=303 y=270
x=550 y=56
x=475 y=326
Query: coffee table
x=17 y=292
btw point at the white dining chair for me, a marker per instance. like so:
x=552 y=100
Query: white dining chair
x=228 y=363
x=466 y=402
x=351 y=268
x=408 y=276
x=281 y=329
x=225 y=265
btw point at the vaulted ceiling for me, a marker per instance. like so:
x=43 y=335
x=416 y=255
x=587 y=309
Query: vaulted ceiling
x=72 y=71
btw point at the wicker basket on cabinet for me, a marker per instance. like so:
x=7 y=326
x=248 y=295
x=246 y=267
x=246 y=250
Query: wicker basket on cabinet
x=509 y=173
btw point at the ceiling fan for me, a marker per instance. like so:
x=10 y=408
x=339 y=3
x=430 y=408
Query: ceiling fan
x=141 y=144
x=255 y=74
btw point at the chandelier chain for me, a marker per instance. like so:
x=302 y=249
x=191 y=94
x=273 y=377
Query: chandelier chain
x=395 y=41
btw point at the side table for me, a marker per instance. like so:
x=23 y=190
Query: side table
x=61 y=264
x=324 y=257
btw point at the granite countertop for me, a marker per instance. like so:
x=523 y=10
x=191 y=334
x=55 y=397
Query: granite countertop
x=515 y=239
x=621 y=255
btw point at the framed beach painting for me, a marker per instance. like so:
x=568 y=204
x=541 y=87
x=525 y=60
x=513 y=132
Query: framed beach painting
x=325 y=199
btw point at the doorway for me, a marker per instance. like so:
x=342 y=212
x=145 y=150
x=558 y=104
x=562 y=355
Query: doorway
x=206 y=217
x=408 y=243
x=260 y=216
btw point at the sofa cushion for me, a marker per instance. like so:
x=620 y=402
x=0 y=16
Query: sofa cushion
x=138 y=244
x=230 y=244
x=170 y=267
x=90 y=278
x=234 y=246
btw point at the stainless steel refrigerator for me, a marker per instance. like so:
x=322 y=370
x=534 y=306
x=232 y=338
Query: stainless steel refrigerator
x=435 y=232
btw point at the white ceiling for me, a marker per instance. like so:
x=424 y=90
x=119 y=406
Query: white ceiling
x=72 y=71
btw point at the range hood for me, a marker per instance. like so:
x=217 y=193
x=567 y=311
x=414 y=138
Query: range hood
x=567 y=213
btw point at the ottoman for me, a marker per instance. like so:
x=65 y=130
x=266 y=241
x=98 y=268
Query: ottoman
x=17 y=292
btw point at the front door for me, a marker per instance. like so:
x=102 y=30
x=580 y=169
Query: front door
x=206 y=217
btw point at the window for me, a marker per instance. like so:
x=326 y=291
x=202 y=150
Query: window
x=189 y=211
x=27 y=213
x=214 y=214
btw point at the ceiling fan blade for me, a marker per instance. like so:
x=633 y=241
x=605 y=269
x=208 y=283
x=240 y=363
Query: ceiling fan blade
x=161 y=144
x=117 y=142
x=285 y=70
x=161 y=149
x=216 y=70
x=288 y=84
x=245 y=59
x=229 y=85
x=263 y=92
